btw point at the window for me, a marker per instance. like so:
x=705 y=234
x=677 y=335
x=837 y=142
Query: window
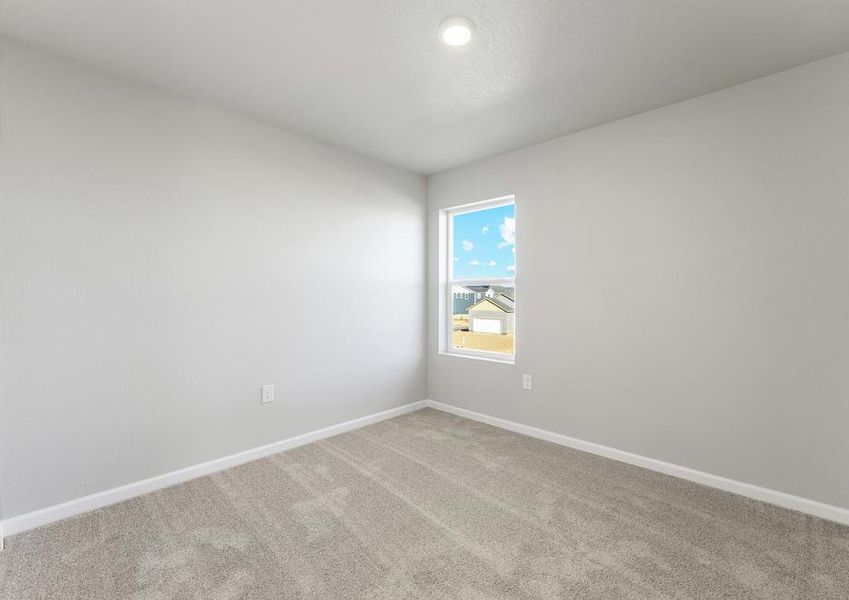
x=479 y=314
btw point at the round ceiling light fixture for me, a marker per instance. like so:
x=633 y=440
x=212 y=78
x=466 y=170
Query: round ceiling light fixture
x=457 y=31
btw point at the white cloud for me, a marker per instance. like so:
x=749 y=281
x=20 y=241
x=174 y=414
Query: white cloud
x=490 y=263
x=474 y=262
x=456 y=259
x=511 y=268
x=485 y=229
x=508 y=232
x=467 y=245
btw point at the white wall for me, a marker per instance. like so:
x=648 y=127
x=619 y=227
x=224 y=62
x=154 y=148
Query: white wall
x=160 y=259
x=683 y=284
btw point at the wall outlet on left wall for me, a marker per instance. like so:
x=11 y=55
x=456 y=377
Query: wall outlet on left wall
x=268 y=393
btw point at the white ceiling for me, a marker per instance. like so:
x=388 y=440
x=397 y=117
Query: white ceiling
x=371 y=75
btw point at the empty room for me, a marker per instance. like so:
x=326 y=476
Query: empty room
x=401 y=299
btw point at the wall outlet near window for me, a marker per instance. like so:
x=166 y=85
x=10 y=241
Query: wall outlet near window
x=527 y=382
x=268 y=393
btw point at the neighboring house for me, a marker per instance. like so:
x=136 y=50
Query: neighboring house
x=493 y=314
x=466 y=296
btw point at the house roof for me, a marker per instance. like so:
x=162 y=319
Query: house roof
x=470 y=289
x=501 y=302
x=509 y=292
x=481 y=289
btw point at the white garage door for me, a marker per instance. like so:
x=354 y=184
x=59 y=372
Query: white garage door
x=486 y=325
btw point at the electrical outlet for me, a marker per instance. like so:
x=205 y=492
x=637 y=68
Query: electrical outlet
x=268 y=393
x=527 y=382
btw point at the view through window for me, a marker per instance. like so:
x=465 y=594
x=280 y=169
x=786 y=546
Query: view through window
x=482 y=269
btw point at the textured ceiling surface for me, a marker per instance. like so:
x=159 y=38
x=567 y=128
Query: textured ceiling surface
x=371 y=75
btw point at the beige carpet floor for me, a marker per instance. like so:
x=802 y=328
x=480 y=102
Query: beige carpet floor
x=430 y=505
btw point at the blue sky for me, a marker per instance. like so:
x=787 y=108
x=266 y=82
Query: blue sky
x=484 y=243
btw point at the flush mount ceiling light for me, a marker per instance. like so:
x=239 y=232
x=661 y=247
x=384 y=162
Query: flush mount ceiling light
x=457 y=31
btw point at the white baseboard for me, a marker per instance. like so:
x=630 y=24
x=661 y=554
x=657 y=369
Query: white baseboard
x=50 y=514
x=784 y=500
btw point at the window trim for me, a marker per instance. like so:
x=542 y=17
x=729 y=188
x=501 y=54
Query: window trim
x=446 y=307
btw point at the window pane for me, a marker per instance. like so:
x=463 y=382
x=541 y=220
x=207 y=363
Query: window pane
x=484 y=321
x=484 y=243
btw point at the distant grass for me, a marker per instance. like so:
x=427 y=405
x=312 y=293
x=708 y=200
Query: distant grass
x=490 y=342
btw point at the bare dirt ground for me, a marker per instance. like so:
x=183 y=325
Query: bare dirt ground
x=491 y=342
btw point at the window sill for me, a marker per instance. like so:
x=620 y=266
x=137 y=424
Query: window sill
x=492 y=359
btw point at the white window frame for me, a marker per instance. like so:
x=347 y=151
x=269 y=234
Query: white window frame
x=447 y=281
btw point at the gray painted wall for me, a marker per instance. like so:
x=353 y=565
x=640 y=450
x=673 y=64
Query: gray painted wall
x=684 y=282
x=684 y=277
x=160 y=259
